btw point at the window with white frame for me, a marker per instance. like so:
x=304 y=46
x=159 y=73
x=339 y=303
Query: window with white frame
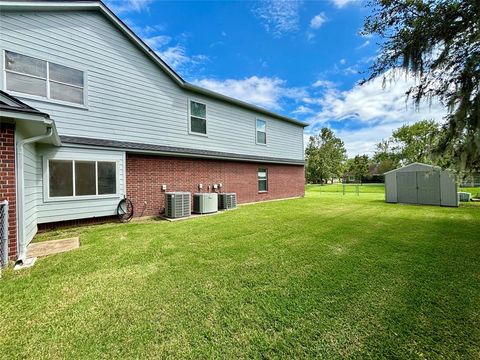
x=68 y=178
x=262 y=180
x=261 y=131
x=29 y=75
x=198 y=117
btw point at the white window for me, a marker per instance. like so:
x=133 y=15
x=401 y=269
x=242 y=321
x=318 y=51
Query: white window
x=262 y=180
x=198 y=118
x=28 y=75
x=261 y=126
x=72 y=178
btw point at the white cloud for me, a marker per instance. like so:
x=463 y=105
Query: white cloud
x=342 y=3
x=302 y=109
x=374 y=109
x=324 y=84
x=365 y=44
x=124 y=6
x=343 y=61
x=373 y=102
x=157 y=41
x=262 y=91
x=279 y=16
x=172 y=50
x=363 y=141
x=318 y=20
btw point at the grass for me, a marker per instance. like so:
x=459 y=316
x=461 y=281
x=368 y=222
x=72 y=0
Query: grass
x=475 y=191
x=327 y=276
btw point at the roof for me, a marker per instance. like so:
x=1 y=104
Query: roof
x=173 y=151
x=29 y=120
x=10 y=103
x=415 y=164
x=109 y=14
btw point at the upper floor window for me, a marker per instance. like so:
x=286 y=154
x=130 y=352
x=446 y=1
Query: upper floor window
x=29 y=75
x=261 y=132
x=198 y=118
x=68 y=178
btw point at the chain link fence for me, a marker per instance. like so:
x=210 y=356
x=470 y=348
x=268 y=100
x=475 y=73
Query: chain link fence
x=3 y=233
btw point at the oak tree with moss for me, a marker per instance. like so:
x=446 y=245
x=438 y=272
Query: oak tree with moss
x=438 y=41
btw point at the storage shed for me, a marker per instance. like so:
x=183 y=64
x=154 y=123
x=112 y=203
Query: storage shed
x=421 y=184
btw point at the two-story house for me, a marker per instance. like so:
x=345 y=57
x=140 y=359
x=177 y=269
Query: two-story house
x=90 y=114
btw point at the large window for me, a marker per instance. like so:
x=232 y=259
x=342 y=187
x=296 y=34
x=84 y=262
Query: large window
x=28 y=75
x=198 y=118
x=261 y=132
x=262 y=180
x=81 y=178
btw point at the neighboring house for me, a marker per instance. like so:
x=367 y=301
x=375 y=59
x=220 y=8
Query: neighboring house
x=374 y=175
x=92 y=114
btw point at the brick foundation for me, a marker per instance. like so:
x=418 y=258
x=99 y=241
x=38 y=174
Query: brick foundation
x=8 y=182
x=146 y=175
x=77 y=222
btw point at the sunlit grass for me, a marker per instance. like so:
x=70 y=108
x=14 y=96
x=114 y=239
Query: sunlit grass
x=327 y=276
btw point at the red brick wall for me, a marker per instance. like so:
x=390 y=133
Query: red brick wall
x=7 y=180
x=146 y=175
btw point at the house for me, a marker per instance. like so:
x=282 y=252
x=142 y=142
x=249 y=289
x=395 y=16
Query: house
x=90 y=114
x=374 y=175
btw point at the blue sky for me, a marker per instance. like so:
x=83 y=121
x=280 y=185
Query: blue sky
x=299 y=58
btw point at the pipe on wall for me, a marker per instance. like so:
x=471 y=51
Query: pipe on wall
x=21 y=243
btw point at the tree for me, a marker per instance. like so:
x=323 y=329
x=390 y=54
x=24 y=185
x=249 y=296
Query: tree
x=358 y=166
x=408 y=144
x=385 y=157
x=325 y=154
x=438 y=41
x=416 y=142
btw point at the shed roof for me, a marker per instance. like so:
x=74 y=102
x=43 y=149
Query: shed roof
x=98 y=5
x=416 y=165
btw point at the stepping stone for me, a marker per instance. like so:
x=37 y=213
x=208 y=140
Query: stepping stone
x=45 y=248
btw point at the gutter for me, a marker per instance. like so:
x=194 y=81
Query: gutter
x=21 y=244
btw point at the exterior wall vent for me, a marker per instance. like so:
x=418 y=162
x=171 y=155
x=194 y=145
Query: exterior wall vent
x=177 y=204
x=227 y=201
x=204 y=203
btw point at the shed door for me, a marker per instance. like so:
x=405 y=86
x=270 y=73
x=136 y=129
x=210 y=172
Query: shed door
x=428 y=183
x=407 y=187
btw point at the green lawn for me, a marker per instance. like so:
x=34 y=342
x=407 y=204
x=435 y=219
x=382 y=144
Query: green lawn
x=327 y=276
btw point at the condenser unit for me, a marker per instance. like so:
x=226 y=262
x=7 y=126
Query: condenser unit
x=204 y=203
x=227 y=201
x=177 y=204
x=464 y=196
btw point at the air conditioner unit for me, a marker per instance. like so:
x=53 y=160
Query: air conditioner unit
x=464 y=196
x=227 y=201
x=204 y=203
x=177 y=204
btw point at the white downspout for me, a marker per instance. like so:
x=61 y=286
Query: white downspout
x=21 y=245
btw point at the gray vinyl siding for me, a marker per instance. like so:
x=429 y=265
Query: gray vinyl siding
x=391 y=187
x=129 y=97
x=55 y=210
x=448 y=189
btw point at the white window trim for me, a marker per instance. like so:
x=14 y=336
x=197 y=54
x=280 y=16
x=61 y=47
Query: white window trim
x=256 y=137
x=190 y=117
x=47 y=80
x=266 y=180
x=46 y=181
